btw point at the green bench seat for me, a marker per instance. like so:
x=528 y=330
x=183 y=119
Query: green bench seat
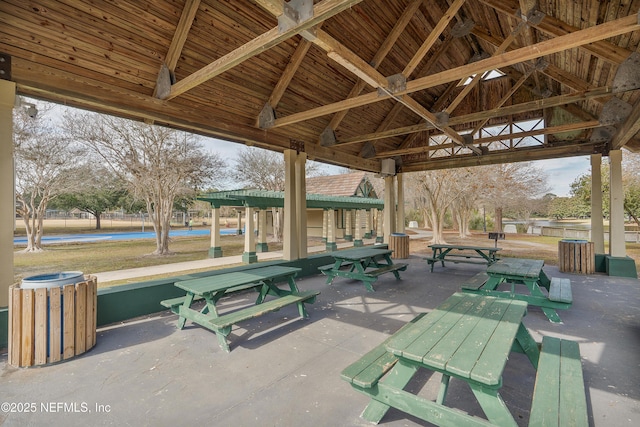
x=222 y=324
x=559 y=396
x=366 y=371
x=385 y=269
x=476 y=282
x=343 y=266
x=560 y=290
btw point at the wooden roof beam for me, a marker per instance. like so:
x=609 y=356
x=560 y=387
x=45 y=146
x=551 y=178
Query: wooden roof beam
x=432 y=37
x=506 y=156
x=488 y=114
x=547 y=47
x=352 y=62
x=571 y=127
x=628 y=130
x=382 y=52
x=177 y=43
x=556 y=28
x=478 y=77
x=321 y=11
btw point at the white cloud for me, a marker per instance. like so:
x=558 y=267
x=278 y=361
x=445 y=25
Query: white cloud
x=562 y=172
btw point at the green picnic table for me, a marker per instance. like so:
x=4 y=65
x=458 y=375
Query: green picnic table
x=528 y=272
x=212 y=288
x=469 y=338
x=462 y=253
x=364 y=264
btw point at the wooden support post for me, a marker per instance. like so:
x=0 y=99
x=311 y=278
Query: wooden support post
x=348 y=229
x=389 y=208
x=290 y=235
x=215 y=251
x=616 y=203
x=368 y=229
x=249 y=256
x=301 y=204
x=7 y=207
x=380 y=229
x=331 y=230
x=358 y=233
x=597 y=221
x=262 y=245
x=400 y=204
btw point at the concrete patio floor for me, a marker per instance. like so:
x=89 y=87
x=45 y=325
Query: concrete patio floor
x=285 y=371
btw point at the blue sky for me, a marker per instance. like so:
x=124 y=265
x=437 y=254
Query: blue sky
x=561 y=172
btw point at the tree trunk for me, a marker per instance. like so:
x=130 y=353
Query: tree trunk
x=98 y=227
x=498 y=220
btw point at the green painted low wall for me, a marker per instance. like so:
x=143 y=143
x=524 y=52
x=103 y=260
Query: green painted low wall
x=124 y=302
x=119 y=303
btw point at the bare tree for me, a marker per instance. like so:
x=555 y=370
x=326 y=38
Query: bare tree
x=512 y=185
x=45 y=167
x=436 y=192
x=158 y=163
x=264 y=170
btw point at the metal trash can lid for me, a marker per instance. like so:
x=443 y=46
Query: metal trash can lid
x=52 y=280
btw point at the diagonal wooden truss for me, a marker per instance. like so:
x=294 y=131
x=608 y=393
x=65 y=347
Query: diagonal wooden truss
x=400 y=88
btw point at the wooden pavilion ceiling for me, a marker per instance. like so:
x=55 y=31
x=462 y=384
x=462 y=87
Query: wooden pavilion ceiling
x=349 y=82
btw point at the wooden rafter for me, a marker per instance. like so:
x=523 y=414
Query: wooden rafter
x=547 y=47
x=478 y=77
x=579 y=148
x=488 y=114
x=352 y=62
x=289 y=72
x=321 y=11
x=628 y=129
x=510 y=136
x=432 y=38
x=382 y=52
x=555 y=28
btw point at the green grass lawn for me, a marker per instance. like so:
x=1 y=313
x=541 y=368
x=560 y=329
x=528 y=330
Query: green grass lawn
x=118 y=255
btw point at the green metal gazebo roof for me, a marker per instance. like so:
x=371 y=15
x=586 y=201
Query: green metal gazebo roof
x=264 y=199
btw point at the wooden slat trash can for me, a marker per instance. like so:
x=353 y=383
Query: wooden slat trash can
x=576 y=256
x=399 y=244
x=48 y=325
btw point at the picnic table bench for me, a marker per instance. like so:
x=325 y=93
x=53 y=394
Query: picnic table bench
x=528 y=272
x=212 y=288
x=469 y=338
x=467 y=254
x=364 y=264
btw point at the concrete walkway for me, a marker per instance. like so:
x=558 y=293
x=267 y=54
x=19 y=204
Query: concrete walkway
x=284 y=371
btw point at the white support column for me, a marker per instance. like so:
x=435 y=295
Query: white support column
x=358 y=234
x=400 y=205
x=249 y=256
x=368 y=229
x=616 y=205
x=215 y=251
x=389 y=208
x=325 y=223
x=290 y=231
x=348 y=229
x=331 y=230
x=597 y=221
x=262 y=245
x=7 y=191
x=380 y=227
x=301 y=203
x=239 y=214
